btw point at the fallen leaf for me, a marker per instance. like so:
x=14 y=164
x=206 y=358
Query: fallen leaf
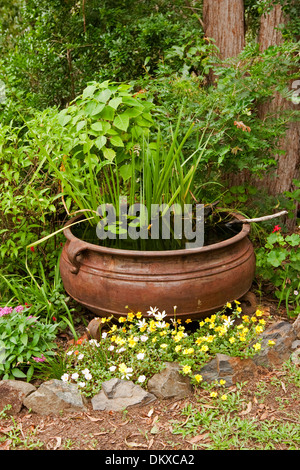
x=283 y=387
x=150 y=443
x=199 y=437
x=134 y=444
x=58 y=442
x=264 y=416
x=154 y=430
x=150 y=412
x=247 y=410
x=94 y=419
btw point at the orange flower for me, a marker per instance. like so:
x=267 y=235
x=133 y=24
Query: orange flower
x=241 y=125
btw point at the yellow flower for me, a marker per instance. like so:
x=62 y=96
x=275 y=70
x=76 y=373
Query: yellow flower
x=123 y=368
x=199 y=340
x=257 y=346
x=204 y=348
x=238 y=309
x=139 y=315
x=237 y=302
x=113 y=328
x=271 y=342
x=231 y=340
x=222 y=382
x=120 y=341
x=259 y=313
x=245 y=318
x=224 y=397
x=201 y=323
x=228 y=305
x=122 y=319
x=164 y=346
x=130 y=316
x=198 y=377
x=186 y=369
x=154 y=339
x=210 y=338
x=213 y=394
x=253 y=319
x=177 y=348
x=262 y=321
x=259 y=329
x=188 y=351
x=188 y=320
x=242 y=338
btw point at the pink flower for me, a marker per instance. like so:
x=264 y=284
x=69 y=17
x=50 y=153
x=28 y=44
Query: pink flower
x=276 y=228
x=19 y=308
x=39 y=359
x=5 y=311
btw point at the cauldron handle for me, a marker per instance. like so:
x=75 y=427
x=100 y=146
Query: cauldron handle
x=74 y=251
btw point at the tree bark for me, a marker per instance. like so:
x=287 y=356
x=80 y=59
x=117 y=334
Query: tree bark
x=288 y=164
x=224 y=22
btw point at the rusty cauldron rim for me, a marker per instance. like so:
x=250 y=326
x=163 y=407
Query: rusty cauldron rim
x=155 y=254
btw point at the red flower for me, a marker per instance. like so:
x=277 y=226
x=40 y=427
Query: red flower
x=54 y=318
x=276 y=228
x=32 y=248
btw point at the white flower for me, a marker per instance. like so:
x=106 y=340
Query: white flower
x=74 y=376
x=94 y=342
x=81 y=384
x=127 y=374
x=111 y=348
x=112 y=368
x=80 y=356
x=152 y=310
x=85 y=371
x=142 y=323
x=88 y=376
x=144 y=338
x=142 y=378
x=121 y=350
x=140 y=355
x=161 y=324
x=69 y=353
x=296 y=292
x=160 y=315
x=104 y=335
x=228 y=322
x=65 y=377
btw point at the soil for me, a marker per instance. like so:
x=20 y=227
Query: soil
x=150 y=427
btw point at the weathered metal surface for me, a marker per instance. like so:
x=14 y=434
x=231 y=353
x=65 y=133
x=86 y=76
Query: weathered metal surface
x=197 y=281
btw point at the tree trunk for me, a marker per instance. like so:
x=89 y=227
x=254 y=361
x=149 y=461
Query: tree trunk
x=224 y=22
x=289 y=162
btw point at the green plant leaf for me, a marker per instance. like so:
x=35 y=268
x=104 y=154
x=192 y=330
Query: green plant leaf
x=88 y=91
x=18 y=373
x=121 y=121
x=100 y=141
x=109 y=154
x=276 y=257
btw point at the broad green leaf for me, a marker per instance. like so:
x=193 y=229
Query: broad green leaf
x=122 y=121
x=63 y=119
x=116 y=141
x=103 y=96
x=293 y=240
x=80 y=125
x=108 y=113
x=98 y=109
x=109 y=154
x=24 y=339
x=114 y=103
x=88 y=91
x=18 y=373
x=100 y=141
x=125 y=171
x=276 y=257
x=97 y=126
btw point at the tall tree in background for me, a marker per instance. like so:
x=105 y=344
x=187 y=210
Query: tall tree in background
x=289 y=161
x=224 y=22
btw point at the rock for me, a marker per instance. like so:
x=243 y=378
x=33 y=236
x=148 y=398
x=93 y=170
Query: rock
x=295 y=357
x=170 y=383
x=230 y=369
x=117 y=395
x=55 y=396
x=12 y=392
x=284 y=334
x=296 y=327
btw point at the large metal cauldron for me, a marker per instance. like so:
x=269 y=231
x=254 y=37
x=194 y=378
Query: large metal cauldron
x=198 y=281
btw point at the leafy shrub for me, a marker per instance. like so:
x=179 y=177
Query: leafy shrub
x=278 y=262
x=24 y=341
